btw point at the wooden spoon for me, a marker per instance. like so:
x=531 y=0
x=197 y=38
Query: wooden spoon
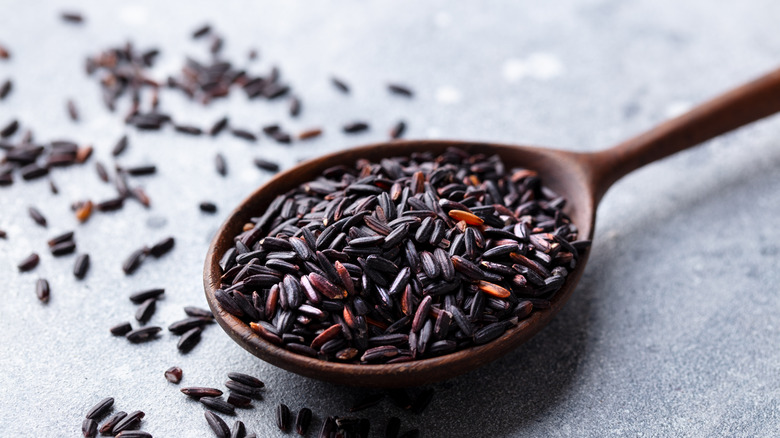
x=582 y=178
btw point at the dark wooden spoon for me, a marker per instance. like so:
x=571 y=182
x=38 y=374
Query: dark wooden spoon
x=582 y=178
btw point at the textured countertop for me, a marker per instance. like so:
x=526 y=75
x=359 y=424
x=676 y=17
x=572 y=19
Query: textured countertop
x=673 y=331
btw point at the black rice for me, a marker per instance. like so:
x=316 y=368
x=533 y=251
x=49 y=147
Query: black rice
x=328 y=428
x=208 y=207
x=309 y=134
x=302 y=421
x=239 y=400
x=400 y=90
x=162 y=247
x=283 y=417
x=201 y=31
x=409 y=258
x=243 y=133
x=132 y=420
x=398 y=130
x=101 y=408
x=147 y=169
x=220 y=164
x=295 y=107
x=239 y=430
x=63 y=248
x=422 y=401
x=246 y=379
x=9 y=129
x=89 y=428
x=218 y=404
x=120 y=146
x=37 y=216
x=42 y=290
x=199 y=312
x=266 y=165
x=143 y=334
x=188 y=129
x=134 y=260
x=199 y=391
x=112 y=204
x=108 y=427
x=28 y=263
x=101 y=171
x=245 y=390
x=33 y=171
x=217 y=424
x=73 y=112
x=393 y=427
x=72 y=17
x=173 y=374
x=5 y=87
x=189 y=339
x=355 y=127
x=340 y=84
x=121 y=329
x=146 y=310
x=400 y=398
x=81 y=266
x=218 y=126
x=141 y=296
x=185 y=325
x=134 y=434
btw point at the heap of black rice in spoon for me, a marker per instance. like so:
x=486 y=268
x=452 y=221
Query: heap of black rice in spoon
x=404 y=259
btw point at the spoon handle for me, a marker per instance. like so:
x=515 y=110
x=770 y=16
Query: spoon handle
x=731 y=110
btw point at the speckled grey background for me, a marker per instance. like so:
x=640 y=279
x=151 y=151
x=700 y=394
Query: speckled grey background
x=674 y=330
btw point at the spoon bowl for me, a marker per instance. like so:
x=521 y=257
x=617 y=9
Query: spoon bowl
x=582 y=178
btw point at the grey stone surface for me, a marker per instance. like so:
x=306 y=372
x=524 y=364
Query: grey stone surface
x=674 y=330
